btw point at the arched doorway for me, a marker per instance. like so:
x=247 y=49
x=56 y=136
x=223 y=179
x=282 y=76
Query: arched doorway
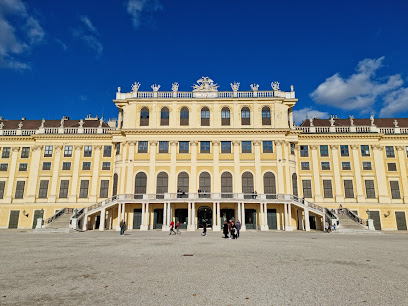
x=204 y=212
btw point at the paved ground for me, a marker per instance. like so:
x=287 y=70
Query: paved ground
x=150 y=268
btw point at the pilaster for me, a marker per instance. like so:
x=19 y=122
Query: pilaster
x=55 y=170
x=33 y=175
x=12 y=174
x=237 y=172
x=216 y=167
x=316 y=177
x=258 y=171
x=193 y=170
x=382 y=183
x=75 y=174
x=337 y=177
x=357 y=172
x=279 y=157
x=95 y=176
x=129 y=181
x=403 y=169
x=151 y=186
x=122 y=180
x=173 y=162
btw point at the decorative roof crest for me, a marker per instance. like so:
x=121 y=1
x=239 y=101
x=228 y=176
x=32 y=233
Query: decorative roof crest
x=235 y=86
x=135 y=86
x=205 y=84
x=155 y=87
x=254 y=87
x=275 y=85
x=175 y=86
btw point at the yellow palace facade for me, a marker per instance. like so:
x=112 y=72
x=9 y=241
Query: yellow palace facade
x=204 y=154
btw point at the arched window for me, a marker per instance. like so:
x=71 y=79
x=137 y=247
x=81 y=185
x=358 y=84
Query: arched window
x=205 y=116
x=225 y=116
x=182 y=184
x=144 y=116
x=184 y=116
x=248 y=185
x=226 y=185
x=269 y=185
x=140 y=185
x=266 y=115
x=115 y=184
x=204 y=184
x=164 y=116
x=294 y=184
x=162 y=185
x=245 y=116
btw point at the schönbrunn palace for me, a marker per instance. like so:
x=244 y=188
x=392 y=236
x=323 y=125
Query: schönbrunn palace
x=203 y=154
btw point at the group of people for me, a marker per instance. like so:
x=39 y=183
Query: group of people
x=202 y=193
x=181 y=193
x=174 y=225
x=329 y=228
x=231 y=229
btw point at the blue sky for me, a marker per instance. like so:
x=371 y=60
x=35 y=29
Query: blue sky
x=68 y=57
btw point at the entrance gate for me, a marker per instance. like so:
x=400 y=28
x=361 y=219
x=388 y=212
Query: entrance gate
x=182 y=216
x=204 y=212
x=272 y=219
x=14 y=215
x=158 y=218
x=137 y=218
x=401 y=220
x=250 y=218
x=226 y=215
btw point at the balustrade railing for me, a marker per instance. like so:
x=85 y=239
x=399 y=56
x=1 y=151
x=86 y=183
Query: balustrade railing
x=355 y=217
x=58 y=214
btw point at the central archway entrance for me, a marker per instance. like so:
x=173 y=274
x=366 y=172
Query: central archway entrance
x=204 y=212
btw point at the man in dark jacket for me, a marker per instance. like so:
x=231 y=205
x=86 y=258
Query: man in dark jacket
x=204 y=227
x=225 y=229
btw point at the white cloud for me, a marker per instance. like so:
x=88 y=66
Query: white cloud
x=89 y=34
x=17 y=37
x=360 y=90
x=137 y=9
x=395 y=102
x=300 y=115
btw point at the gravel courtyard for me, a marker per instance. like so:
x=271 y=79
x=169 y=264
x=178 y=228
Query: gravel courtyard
x=153 y=268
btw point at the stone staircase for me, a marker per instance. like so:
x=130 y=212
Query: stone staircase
x=61 y=222
x=348 y=225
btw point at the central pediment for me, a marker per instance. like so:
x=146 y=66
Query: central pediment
x=205 y=88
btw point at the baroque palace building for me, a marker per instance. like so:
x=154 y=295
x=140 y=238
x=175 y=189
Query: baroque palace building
x=204 y=154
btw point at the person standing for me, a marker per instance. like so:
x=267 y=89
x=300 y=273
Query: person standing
x=225 y=229
x=326 y=226
x=238 y=226
x=204 y=227
x=172 y=228
x=233 y=230
x=122 y=227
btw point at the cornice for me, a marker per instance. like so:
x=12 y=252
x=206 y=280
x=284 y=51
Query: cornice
x=286 y=132
x=72 y=136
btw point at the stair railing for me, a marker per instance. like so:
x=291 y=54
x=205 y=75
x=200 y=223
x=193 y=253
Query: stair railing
x=355 y=217
x=58 y=214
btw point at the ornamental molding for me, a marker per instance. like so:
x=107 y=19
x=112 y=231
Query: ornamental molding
x=15 y=149
x=216 y=142
x=99 y=147
x=377 y=147
x=235 y=142
x=313 y=147
x=400 y=148
x=78 y=147
x=173 y=142
x=334 y=147
x=58 y=148
x=153 y=142
x=354 y=146
x=257 y=142
x=194 y=142
x=205 y=88
x=132 y=142
x=284 y=132
x=36 y=148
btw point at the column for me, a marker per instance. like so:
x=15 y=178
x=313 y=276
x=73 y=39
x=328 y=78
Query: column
x=120 y=118
x=189 y=216
x=173 y=161
x=285 y=216
x=290 y=228
x=307 y=224
x=169 y=216
x=12 y=174
x=123 y=212
x=164 y=226
x=279 y=157
x=261 y=221
x=193 y=221
x=122 y=180
x=403 y=169
x=288 y=189
x=216 y=166
x=219 y=216
x=316 y=177
x=75 y=174
x=33 y=175
x=119 y=216
x=237 y=172
x=85 y=223
x=147 y=212
x=143 y=216
x=95 y=175
x=56 y=168
x=193 y=177
x=337 y=176
x=239 y=211
x=102 y=220
x=266 y=216
x=382 y=182
x=151 y=186
x=243 y=226
x=258 y=170
x=129 y=181
x=357 y=164
x=214 y=216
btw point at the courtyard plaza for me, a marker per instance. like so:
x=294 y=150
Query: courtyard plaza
x=153 y=268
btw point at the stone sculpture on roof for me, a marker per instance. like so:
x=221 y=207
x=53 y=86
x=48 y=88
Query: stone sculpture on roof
x=205 y=84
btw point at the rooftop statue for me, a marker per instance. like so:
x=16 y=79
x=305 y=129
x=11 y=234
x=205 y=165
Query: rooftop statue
x=20 y=125
x=62 y=122
x=135 y=86
x=81 y=123
x=351 y=120
x=311 y=122
x=42 y=123
x=155 y=87
x=395 y=123
x=175 y=86
x=275 y=85
x=205 y=84
x=1 y=125
x=235 y=86
x=254 y=87
x=372 y=119
x=331 y=121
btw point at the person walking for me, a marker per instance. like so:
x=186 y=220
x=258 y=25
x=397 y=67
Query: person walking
x=122 y=227
x=225 y=229
x=172 y=227
x=204 y=227
x=178 y=227
x=230 y=228
x=326 y=226
x=238 y=226
x=233 y=230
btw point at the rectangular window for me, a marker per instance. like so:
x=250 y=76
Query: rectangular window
x=183 y=146
x=5 y=153
x=344 y=150
x=163 y=147
x=406 y=151
x=48 y=151
x=83 y=191
x=325 y=165
x=346 y=165
x=389 y=150
x=370 y=190
x=305 y=165
x=118 y=148
x=204 y=147
x=304 y=151
x=66 y=166
x=225 y=146
x=88 y=151
x=395 y=191
x=42 y=193
x=307 y=188
x=103 y=193
x=86 y=166
x=68 y=151
x=22 y=167
x=292 y=148
x=327 y=188
x=19 y=190
x=106 y=165
x=392 y=166
x=365 y=150
x=142 y=147
x=267 y=146
x=107 y=151
x=367 y=166
x=324 y=151
x=46 y=166
x=246 y=146
x=64 y=189
x=2 y=187
x=25 y=152
x=348 y=189
x=3 y=167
